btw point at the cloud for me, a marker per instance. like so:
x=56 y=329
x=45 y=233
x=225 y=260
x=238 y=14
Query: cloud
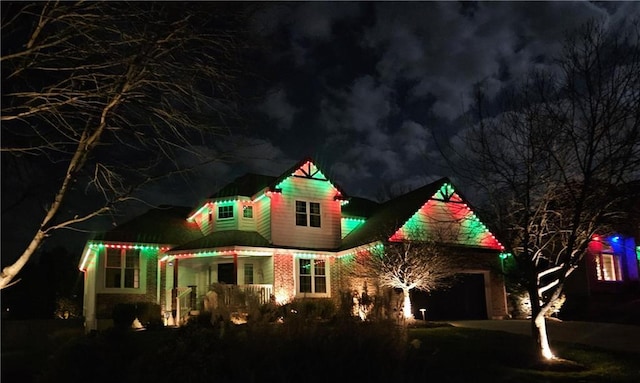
x=373 y=81
x=367 y=104
x=279 y=109
x=446 y=51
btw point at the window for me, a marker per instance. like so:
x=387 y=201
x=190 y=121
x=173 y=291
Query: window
x=247 y=211
x=608 y=267
x=301 y=213
x=248 y=273
x=122 y=268
x=314 y=214
x=313 y=276
x=225 y=212
x=307 y=214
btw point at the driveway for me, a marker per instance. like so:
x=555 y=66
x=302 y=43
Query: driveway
x=604 y=335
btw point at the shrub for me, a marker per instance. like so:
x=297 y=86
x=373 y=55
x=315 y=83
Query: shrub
x=123 y=315
x=313 y=308
x=149 y=314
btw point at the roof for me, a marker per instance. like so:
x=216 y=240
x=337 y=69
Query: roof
x=225 y=238
x=389 y=216
x=251 y=183
x=359 y=207
x=162 y=225
x=245 y=185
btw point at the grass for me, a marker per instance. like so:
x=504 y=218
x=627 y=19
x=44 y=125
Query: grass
x=315 y=352
x=453 y=354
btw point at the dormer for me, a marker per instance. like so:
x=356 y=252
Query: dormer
x=234 y=207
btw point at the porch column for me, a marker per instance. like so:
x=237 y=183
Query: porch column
x=174 y=291
x=235 y=268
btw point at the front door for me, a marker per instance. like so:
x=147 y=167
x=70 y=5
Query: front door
x=226 y=273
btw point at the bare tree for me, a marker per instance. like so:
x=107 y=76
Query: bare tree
x=555 y=166
x=419 y=262
x=113 y=96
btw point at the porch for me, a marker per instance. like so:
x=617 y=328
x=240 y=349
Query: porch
x=219 y=296
x=205 y=284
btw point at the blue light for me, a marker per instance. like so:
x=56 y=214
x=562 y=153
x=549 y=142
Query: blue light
x=615 y=239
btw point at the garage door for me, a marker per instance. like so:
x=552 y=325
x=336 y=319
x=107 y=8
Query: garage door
x=464 y=300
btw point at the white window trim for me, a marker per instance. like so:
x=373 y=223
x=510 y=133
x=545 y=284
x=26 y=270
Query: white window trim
x=600 y=268
x=327 y=271
x=233 y=213
x=101 y=282
x=308 y=213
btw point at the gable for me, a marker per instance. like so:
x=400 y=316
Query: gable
x=447 y=218
x=308 y=170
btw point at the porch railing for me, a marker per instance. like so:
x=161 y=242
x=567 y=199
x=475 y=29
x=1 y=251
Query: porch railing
x=242 y=295
x=184 y=304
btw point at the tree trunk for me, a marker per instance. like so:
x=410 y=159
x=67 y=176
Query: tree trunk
x=539 y=327
x=406 y=305
x=539 y=324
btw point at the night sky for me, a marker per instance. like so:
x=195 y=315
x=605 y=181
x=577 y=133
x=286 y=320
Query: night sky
x=363 y=88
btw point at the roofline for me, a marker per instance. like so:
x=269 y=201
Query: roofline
x=249 y=250
x=289 y=172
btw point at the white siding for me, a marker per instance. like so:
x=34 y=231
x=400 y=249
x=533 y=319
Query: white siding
x=246 y=224
x=285 y=232
x=264 y=270
x=226 y=223
x=89 y=299
x=206 y=226
x=262 y=217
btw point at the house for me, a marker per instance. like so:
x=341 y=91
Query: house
x=277 y=238
x=606 y=286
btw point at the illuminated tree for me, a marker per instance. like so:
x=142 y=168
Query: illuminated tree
x=407 y=265
x=557 y=164
x=107 y=97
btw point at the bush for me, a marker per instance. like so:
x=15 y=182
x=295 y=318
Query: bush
x=123 y=315
x=312 y=308
x=149 y=314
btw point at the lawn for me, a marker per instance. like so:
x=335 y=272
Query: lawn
x=313 y=352
x=453 y=354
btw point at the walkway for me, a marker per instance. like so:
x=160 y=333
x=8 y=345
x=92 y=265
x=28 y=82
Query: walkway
x=604 y=335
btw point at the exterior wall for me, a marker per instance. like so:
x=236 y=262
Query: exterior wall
x=624 y=248
x=284 y=277
x=631 y=261
x=450 y=222
x=266 y=273
x=247 y=224
x=588 y=298
x=89 y=298
x=285 y=232
x=348 y=224
x=148 y=274
x=227 y=223
x=496 y=296
x=206 y=220
x=99 y=312
x=334 y=280
x=209 y=221
x=262 y=214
